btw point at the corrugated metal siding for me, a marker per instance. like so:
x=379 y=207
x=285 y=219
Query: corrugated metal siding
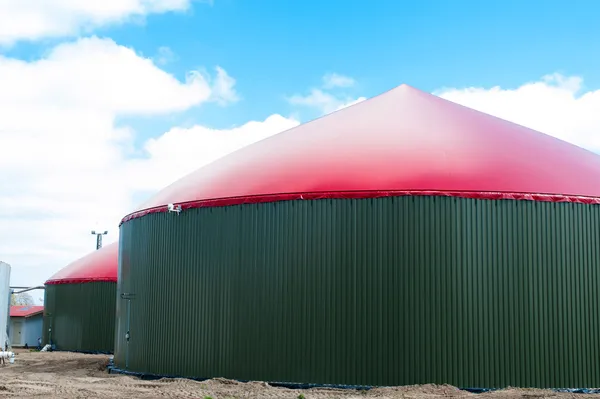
x=387 y=291
x=32 y=330
x=82 y=316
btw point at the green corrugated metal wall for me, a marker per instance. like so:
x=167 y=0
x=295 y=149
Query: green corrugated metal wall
x=82 y=316
x=388 y=291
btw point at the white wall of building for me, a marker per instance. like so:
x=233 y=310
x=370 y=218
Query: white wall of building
x=26 y=330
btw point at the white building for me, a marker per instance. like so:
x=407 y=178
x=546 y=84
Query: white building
x=26 y=323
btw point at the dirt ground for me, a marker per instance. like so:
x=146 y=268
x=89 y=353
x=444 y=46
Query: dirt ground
x=69 y=375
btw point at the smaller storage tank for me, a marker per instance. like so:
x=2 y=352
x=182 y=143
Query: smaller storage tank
x=79 y=313
x=4 y=303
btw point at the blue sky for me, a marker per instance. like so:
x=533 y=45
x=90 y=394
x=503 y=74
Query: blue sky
x=278 y=48
x=101 y=122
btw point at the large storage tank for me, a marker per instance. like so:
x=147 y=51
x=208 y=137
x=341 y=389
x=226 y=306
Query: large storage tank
x=79 y=304
x=403 y=240
x=4 y=304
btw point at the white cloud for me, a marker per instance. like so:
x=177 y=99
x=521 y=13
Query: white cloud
x=181 y=151
x=333 y=80
x=556 y=105
x=116 y=75
x=350 y=103
x=36 y=19
x=324 y=99
x=317 y=98
x=65 y=164
x=223 y=92
x=164 y=56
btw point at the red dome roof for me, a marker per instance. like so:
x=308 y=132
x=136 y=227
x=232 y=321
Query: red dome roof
x=403 y=142
x=100 y=265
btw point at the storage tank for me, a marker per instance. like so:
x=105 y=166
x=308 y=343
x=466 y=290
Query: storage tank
x=4 y=303
x=79 y=304
x=402 y=240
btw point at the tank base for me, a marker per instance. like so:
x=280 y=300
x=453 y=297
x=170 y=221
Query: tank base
x=112 y=369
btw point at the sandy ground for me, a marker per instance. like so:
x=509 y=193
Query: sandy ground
x=69 y=375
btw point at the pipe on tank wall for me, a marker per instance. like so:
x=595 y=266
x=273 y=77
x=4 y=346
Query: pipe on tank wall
x=25 y=289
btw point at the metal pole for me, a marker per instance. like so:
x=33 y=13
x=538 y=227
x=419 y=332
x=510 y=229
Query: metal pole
x=7 y=344
x=99 y=238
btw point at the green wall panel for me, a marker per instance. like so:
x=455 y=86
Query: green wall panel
x=388 y=291
x=82 y=316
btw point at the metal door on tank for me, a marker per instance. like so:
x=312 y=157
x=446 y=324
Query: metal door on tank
x=127 y=297
x=17 y=328
x=50 y=327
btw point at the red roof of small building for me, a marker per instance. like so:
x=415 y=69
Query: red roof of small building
x=100 y=265
x=25 y=311
x=403 y=142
